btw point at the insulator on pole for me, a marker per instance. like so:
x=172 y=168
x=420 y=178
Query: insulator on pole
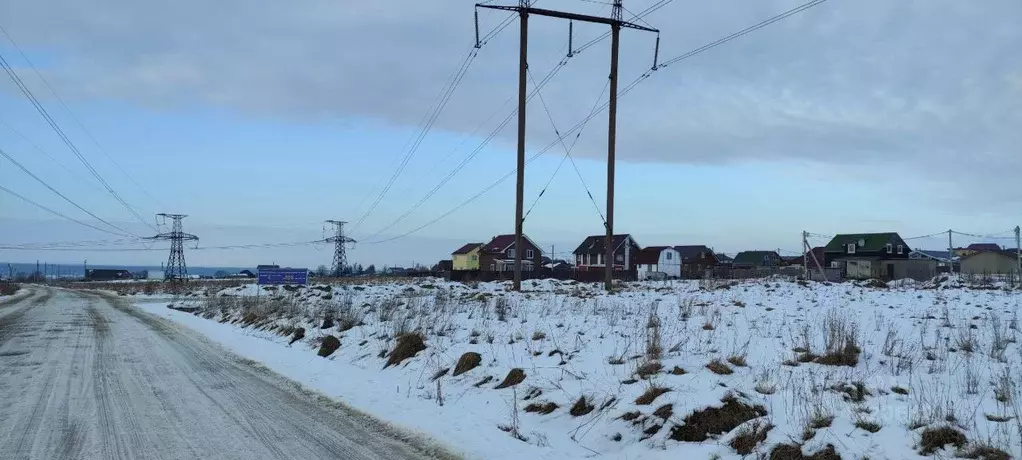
x=656 y=51
x=477 y=28
x=571 y=51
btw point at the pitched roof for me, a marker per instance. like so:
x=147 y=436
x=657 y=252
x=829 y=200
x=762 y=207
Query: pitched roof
x=595 y=244
x=649 y=256
x=1009 y=253
x=467 y=248
x=501 y=242
x=872 y=242
x=984 y=247
x=753 y=257
x=724 y=258
x=692 y=252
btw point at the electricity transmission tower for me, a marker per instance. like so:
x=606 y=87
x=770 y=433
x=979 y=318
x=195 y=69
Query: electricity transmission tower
x=340 y=244
x=616 y=23
x=176 y=267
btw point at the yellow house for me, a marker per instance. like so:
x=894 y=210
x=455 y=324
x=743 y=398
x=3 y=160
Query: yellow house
x=467 y=257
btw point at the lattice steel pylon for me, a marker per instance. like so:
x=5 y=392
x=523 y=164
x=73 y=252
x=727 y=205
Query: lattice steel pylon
x=176 y=268
x=340 y=244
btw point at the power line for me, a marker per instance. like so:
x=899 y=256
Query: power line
x=76 y=119
x=48 y=186
x=146 y=249
x=621 y=93
x=567 y=151
x=44 y=208
x=46 y=154
x=67 y=141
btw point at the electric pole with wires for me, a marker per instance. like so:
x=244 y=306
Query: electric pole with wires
x=616 y=23
x=340 y=246
x=176 y=269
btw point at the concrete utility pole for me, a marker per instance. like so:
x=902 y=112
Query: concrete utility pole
x=805 y=254
x=1018 y=254
x=950 y=254
x=616 y=23
x=340 y=241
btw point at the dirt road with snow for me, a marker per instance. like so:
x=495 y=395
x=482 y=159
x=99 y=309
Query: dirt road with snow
x=85 y=376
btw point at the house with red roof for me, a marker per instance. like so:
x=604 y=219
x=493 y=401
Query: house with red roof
x=499 y=254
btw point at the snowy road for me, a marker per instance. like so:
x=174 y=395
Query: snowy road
x=83 y=376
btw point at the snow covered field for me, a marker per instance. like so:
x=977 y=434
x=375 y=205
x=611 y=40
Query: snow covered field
x=657 y=370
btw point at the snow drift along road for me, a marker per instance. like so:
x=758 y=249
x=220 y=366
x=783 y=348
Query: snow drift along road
x=86 y=377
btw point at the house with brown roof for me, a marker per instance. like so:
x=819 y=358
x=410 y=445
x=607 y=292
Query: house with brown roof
x=466 y=258
x=675 y=261
x=591 y=253
x=499 y=254
x=976 y=247
x=999 y=262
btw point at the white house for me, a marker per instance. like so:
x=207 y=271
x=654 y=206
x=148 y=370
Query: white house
x=658 y=262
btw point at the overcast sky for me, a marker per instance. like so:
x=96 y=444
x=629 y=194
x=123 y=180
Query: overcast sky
x=856 y=115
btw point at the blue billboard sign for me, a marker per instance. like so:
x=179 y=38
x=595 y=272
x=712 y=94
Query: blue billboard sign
x=284 y=276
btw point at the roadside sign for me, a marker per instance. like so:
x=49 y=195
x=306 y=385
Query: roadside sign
x=284 y=276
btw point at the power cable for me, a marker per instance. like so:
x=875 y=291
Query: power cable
x=567 y=152
x=621 y=93
x=46 y=154
x=55 y=191
x=76 y=119
x=58 y=214
x=198 y=248
x=67 y=141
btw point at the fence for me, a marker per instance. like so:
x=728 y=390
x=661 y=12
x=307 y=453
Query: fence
x=564 y=275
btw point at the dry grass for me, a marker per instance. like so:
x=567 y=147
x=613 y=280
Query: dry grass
x=650 y=395
x=700 y=425
x=329 y=345
x=718 y=367
x=794 y=452
x=514 y=377
x=899 y=390
x=984 y=452
x=665 y=412
x=541 y=408
x=738 y=360
x=407 y=346
x=647 y=369
x=868 y=425
x=468 y=361
x=298 y=334
x=934 y=439
x=745 y=442
x=581 y=407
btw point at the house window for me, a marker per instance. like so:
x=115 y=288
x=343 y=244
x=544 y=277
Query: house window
x=901 y=249
x=493 y=268
x=529 y=254
x=511 y=253
x=620 y=258
x=851 y=248
x=474 y=257
x=668 y=255
x=890 y=248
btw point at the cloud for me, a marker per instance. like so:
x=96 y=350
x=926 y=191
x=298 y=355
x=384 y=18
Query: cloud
x=930 y=90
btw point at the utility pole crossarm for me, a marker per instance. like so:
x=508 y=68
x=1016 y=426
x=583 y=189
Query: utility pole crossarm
x=570 y=16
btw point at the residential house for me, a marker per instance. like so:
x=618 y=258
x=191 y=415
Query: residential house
x=976 y=247
x=999 y=262
x=876 y=256
x=466 y=257
x=647 y=261
x=445 y=265
x=757 y=259
x=591 y=253
x=724 y=259
x=499 y=254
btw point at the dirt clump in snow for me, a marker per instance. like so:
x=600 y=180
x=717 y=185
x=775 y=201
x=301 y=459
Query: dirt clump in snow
x=700 y=425
x=794 y=452
x=581 y=407
x=647 y=369
x=407 y=346
x=718 y=367
x=650 y=395
x=468 y=361
x=541 y=408
x=329 y=345
x=933 y=439
x=514 y=377
x=665 y=412
x=985 y=453
x=299 y=334
x=749 y=437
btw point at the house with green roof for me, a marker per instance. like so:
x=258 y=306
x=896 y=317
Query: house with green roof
x=882 y=256
x=756 y=259
x=866 y=245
